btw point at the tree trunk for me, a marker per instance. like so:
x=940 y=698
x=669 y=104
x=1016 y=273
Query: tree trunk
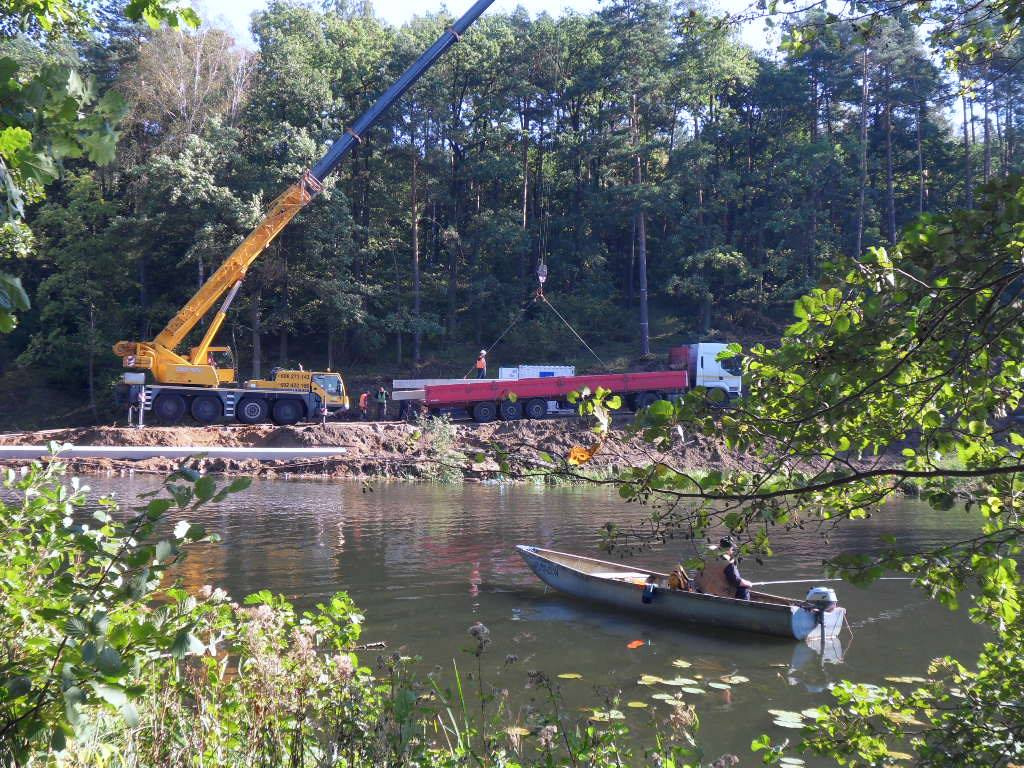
x=282 y=348
x=863 y=151
x=641 y=252
x=631 y=272
x=987 y=171
x=921 y=192
x=524 y=194
x=705 y=314
x=92 y=364
x=890 y=196
x=254 y=324
x=641 y=238
x=415 y=258
x=968 y=180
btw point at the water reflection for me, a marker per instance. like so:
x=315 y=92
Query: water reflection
x=812 y=663
x=427 y=562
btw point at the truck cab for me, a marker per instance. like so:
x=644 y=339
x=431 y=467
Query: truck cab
x=706 y=370
x=327 y=385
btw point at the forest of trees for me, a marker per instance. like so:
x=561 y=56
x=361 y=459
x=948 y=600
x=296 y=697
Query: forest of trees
x=641 y=152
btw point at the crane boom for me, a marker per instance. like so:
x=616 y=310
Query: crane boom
x=159 y=355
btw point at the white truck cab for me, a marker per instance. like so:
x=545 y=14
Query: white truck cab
x=707 y=371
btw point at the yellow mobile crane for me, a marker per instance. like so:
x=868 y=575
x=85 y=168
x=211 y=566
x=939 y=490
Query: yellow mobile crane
x=200 y=382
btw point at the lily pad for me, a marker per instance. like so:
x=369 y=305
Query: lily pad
x=791 y=761
x=516 y=730
x=607 y=715
x=666 y=697
x=734 y=679
x=679 y=681
x=812 y=713
x=720 y=686
x=900 y=756
x=649 y=680
x=690 y=689
x=571 y=676
x=682 y=664
x=785 y=714
x=636 y=704
x=907 y=679
x=789 y=723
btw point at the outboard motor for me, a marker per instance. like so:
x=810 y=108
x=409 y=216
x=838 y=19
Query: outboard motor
x=822 y=599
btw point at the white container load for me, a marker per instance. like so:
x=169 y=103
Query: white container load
x=706 y=371
x=535 y=372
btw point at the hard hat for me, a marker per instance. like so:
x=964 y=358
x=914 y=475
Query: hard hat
x=483 y=351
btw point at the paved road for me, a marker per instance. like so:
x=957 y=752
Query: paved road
x=169 y=452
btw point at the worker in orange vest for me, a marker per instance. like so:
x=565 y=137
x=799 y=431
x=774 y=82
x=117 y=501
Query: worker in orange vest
x=481 y=365
x=364 y=401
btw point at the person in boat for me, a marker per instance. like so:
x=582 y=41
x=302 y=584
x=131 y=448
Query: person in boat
x=721 y=576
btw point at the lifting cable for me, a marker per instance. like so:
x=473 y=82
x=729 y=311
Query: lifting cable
x=543 y=298
x=542 y=275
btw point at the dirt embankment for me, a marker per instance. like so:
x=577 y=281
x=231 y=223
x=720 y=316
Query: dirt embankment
x=387 y=449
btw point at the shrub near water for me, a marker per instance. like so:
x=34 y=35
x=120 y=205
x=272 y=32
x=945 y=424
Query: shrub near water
x=103 y=666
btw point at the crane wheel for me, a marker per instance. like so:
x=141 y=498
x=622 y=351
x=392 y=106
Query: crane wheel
x=536 y=408
x=510 y=410
x=287 y=411
x=206 y=409
x=252 y=410
x=169 y=407
x=484 y=411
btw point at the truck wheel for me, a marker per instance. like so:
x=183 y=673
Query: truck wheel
x=169 y=407
x=510 y=410
x=206 y=409
x=644 y=400
x=484 y=412
x=252 y=410
x=287 y=411
x=536 y=408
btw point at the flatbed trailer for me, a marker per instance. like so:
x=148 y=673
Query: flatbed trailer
x=511 y=399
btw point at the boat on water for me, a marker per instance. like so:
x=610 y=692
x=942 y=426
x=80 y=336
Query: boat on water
x=647 y=592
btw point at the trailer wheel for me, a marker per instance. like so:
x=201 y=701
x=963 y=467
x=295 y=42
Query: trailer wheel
x=169 y=407
x=644 y=400
x=287 y=411
x=510 y=410
x=536 y=408
x=484 y=412
x=252 y=410
x=206 y=409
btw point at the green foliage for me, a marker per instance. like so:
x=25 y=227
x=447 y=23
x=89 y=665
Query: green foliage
x=437 y=436
x=54 y=115
x=77 y=612
x=526 y=139
x=905 y=366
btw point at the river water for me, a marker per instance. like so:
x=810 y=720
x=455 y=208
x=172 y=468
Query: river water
x=426 y=562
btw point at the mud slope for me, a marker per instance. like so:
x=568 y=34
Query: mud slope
x=388 y=449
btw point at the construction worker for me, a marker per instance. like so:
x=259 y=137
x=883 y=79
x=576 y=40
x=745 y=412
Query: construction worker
x=481 y=365
x=382 y=403
x=364 y=404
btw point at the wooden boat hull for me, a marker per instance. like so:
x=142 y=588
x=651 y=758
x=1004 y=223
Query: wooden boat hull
x=622 y=586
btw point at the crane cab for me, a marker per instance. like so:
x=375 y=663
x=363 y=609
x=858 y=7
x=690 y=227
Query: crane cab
x=222 y=360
